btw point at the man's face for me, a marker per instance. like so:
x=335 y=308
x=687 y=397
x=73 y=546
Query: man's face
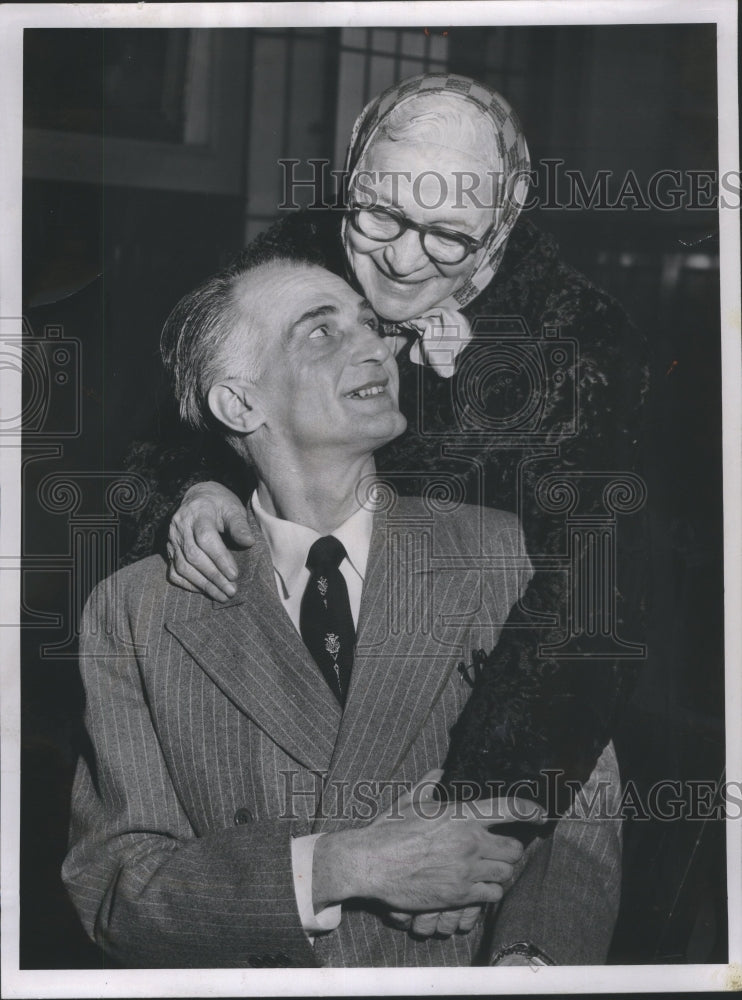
x=328 y=380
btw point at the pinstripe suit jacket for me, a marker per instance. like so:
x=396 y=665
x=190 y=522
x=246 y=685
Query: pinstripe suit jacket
x=214 y=740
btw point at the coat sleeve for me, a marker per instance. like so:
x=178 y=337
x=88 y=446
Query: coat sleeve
x=565 y=901
x=148 y=890
x=533 y=711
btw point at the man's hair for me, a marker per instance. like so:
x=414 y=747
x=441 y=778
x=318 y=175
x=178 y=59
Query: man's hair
x=195 y=340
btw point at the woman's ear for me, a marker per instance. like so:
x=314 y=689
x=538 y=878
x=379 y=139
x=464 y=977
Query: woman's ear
x=234 y=404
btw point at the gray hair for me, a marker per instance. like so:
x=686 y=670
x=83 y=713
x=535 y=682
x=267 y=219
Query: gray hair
x=446 y=120
x=197 y=343
x=193 y=343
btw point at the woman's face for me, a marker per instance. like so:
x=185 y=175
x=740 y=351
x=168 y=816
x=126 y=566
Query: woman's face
x=398 y=277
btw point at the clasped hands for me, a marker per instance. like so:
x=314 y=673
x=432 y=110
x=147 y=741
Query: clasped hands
x=433 y=874
x=433 y=866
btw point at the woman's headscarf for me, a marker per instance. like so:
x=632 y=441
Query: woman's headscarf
x=513 y=166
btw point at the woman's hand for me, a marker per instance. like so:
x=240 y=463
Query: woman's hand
x=199 y=560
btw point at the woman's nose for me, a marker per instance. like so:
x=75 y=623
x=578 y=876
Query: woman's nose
x=405 y=255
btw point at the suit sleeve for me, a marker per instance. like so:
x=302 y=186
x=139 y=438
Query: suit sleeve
x=148 y=890
x=565 y=901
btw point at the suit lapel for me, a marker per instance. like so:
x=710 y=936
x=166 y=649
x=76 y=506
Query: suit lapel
x=252 y=652
x=404 y=655
x=401 y=665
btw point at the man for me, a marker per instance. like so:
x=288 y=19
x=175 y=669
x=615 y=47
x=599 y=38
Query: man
x=246 y=800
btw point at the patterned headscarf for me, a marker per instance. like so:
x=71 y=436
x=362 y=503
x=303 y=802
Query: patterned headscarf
x=514 y=159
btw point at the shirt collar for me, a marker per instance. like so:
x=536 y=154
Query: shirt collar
x=289 y=543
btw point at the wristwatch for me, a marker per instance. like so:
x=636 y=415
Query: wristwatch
x=523 y=949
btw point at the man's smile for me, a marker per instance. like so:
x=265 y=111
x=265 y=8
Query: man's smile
x=369 y=389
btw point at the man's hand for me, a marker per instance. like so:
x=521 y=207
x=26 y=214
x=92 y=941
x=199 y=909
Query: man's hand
x=199 y=560
x=442 y=923
x=423 y=855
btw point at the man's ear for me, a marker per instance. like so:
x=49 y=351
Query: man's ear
x=234 y=403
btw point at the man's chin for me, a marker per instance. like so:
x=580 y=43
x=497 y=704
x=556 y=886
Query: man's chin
x=387 y=430
x=399 y=427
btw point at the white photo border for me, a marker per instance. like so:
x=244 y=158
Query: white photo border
x=350 y=982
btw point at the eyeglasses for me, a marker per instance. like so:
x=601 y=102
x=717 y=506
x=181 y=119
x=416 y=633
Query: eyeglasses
x=442 y=246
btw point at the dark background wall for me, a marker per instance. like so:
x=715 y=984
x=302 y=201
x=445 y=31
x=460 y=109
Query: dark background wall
x=150 y=157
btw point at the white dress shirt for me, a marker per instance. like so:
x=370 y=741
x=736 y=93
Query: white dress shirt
x=289 y=545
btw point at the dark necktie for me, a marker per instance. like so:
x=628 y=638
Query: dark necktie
x=325 y=620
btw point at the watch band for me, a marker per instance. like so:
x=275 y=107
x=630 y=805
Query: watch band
x=526 y=950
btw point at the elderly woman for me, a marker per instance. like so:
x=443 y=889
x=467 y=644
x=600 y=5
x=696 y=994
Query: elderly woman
x=513 y=368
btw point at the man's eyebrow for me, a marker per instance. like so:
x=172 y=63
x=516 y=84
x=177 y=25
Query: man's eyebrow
x=328 y=310
x=315 y=313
